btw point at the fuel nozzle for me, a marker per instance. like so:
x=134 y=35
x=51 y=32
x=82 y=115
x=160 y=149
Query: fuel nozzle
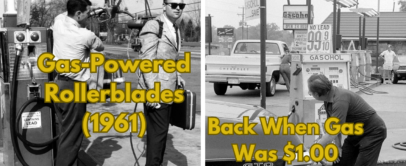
x=19 y=49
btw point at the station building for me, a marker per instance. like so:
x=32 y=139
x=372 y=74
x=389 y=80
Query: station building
x=392 y=30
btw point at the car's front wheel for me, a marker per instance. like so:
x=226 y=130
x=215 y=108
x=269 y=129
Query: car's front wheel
x=394 y=78
x=220 y=89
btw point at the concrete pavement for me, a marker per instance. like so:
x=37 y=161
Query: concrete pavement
x=389 y=103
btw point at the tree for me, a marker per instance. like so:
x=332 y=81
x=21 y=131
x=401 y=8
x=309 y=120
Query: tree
x=43 y=12
x=189 y=31
x=197 y=34
x=402 y=4
x=182 y=28
x=194 y=11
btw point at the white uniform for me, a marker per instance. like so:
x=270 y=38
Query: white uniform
x=388 y=56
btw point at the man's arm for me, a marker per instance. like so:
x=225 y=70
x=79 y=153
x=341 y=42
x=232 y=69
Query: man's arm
x=95 y=43
x=382 y=54
x=149 y=41
x=339 y=110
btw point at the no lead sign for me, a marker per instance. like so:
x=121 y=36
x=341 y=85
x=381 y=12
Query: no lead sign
x=319 y=39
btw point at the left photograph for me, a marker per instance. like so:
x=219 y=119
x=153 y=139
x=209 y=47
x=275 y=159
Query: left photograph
x=100 y=82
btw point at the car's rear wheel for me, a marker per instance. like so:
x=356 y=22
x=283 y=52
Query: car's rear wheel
x=271 y=87
x=394 y=78
x=220 y=89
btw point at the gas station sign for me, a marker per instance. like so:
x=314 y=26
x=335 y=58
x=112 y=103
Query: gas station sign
x=295 y=17
x=319 y=39
x=225 y=31
x=300 y=41
x=251 y=9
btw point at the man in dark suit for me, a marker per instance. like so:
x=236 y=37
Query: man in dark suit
x=164 y=46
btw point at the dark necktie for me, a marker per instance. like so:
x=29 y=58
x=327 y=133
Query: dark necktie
x=177 y=36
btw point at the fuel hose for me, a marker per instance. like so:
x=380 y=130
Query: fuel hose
x=400 y=145
x=13 y=111
x=16 y=119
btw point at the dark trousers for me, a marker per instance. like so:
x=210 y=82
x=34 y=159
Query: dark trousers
x=157 y=132
x=71 y=137
x=285 y=72
x=364 y=150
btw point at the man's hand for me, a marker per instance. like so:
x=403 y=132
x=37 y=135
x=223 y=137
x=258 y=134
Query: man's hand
x=339 y=155
x=154 y=105
x=181 y=82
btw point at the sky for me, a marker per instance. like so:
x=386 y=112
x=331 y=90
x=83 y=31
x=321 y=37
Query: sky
x=133 y=5
x=225 y=12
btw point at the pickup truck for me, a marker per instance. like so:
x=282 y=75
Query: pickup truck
x=242 y=67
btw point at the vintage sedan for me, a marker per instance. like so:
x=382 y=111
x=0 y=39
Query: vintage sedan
x=399 y=70
x=219 y=150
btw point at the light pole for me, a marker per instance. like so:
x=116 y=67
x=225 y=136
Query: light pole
x=247 y=30
x=336 y=24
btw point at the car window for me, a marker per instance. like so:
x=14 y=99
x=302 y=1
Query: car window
x=286 y=48
x=255 y=48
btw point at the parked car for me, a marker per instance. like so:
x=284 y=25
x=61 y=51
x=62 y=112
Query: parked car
x=218 y=147
x=242 y=67
x=399 y=70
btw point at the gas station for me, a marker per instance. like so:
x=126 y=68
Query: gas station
x=346 y=66
x=30 y=126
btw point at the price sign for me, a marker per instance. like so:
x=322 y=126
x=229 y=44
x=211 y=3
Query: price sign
x=319 y=39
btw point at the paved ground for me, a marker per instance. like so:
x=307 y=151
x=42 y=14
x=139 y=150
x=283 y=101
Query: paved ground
x=114 y=149
x=183 y=146
x=389 y=106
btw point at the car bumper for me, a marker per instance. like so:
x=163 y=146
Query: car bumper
x=401 y=74
x=241 y=79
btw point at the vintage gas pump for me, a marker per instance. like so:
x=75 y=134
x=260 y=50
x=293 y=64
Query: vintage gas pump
x=334 y=66
x=28 y=132
x=22 y=81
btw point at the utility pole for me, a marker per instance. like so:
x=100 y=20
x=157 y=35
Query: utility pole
x=377 y=37
x=247 y=30
x=242 y=21
x=262 y=9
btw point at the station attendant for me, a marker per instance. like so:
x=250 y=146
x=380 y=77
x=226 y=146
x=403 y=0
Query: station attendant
x=388 y=56
x=72 y=41
x=348 y=106
x=285 y=68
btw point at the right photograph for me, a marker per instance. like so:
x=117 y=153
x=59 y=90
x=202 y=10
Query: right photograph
x=305 y=82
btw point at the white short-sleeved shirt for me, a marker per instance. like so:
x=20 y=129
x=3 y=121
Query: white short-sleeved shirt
x=71 y=41
x=388 y=56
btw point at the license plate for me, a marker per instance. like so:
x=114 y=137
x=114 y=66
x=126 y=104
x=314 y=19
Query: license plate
x=402 y=68
x=233 y=81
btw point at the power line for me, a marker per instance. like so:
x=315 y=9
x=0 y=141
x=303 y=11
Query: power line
x=220 y=9
x=227 y=3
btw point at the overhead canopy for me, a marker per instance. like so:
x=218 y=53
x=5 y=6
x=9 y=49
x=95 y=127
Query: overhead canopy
x=391 y=26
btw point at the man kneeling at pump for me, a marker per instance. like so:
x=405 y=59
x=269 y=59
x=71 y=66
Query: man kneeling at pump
x=348 y=106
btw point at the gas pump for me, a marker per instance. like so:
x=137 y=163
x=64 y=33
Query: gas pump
x=334 y=66
x=29 y=123
x=21 y=84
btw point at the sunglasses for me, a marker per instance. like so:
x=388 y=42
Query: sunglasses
x=175 y=5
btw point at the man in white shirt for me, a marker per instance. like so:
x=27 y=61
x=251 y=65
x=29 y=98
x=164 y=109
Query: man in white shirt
x=388 y=56
x=72 y=41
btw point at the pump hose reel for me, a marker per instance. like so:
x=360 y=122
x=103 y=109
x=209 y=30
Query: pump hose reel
x=40 y=102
